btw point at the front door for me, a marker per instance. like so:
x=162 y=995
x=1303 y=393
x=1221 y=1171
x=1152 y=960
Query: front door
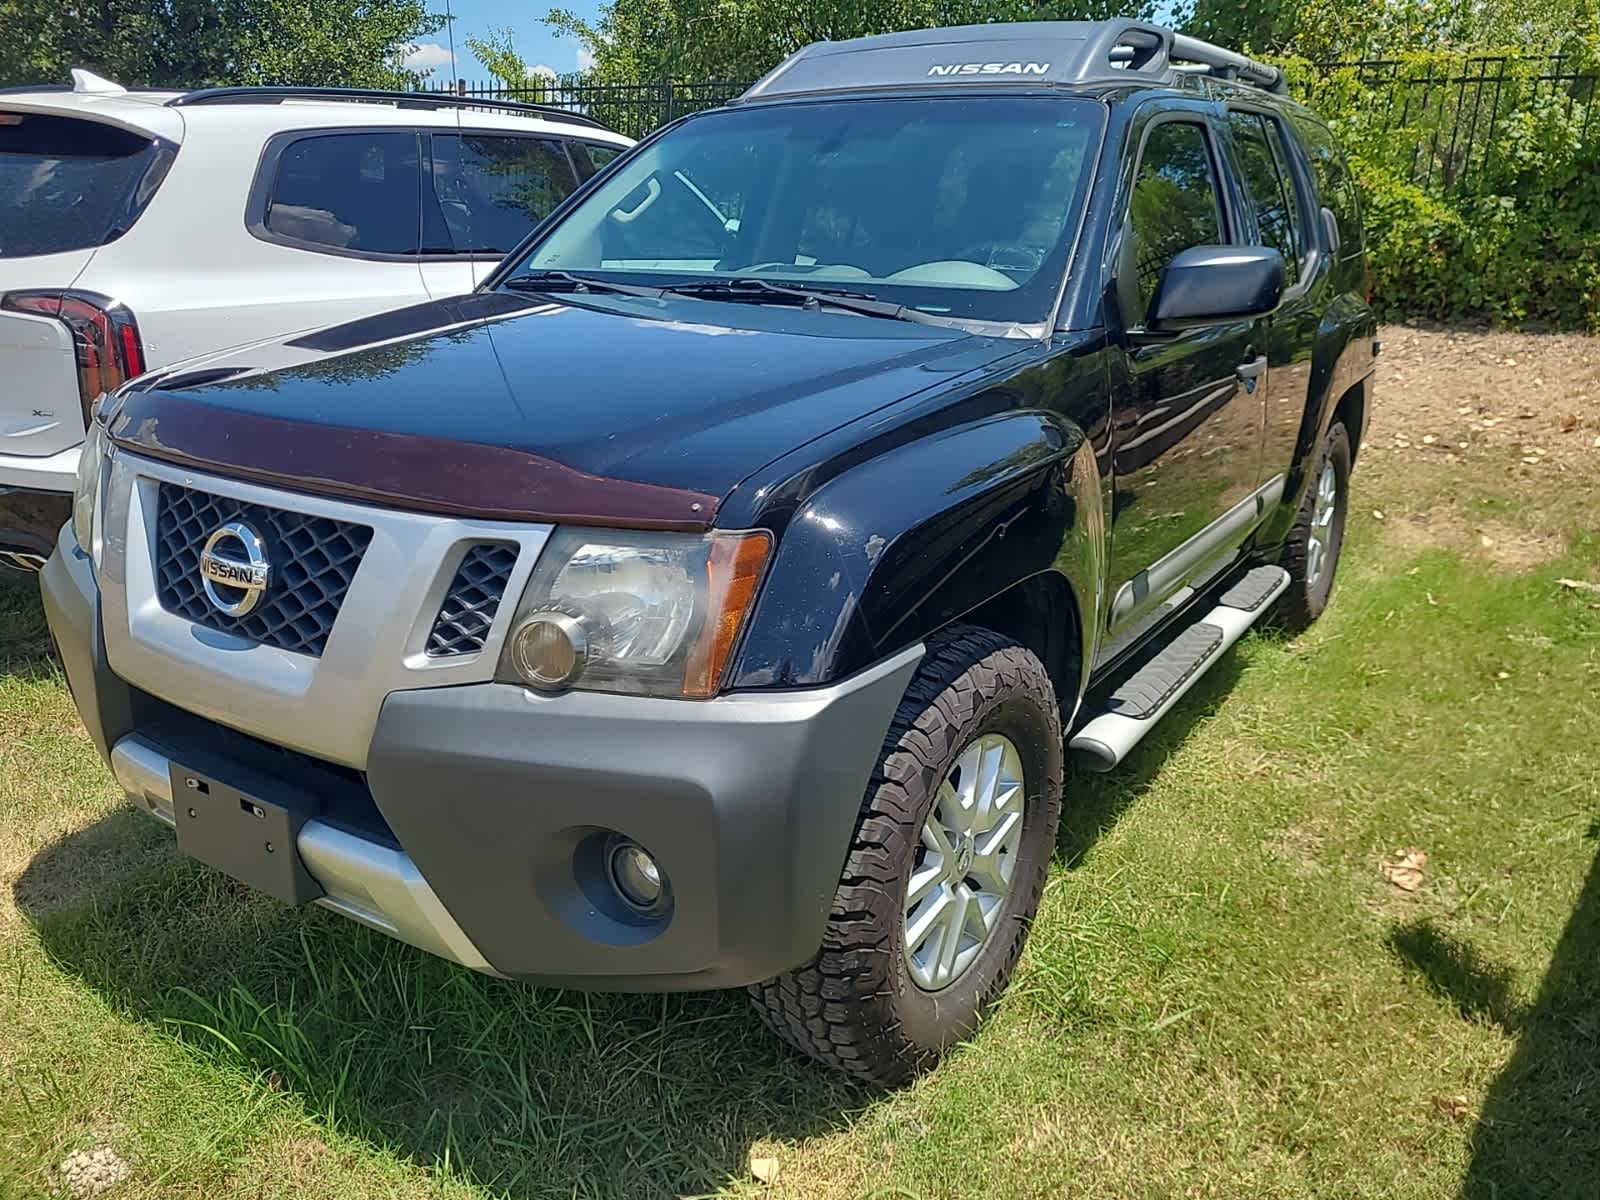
x=1187 y=421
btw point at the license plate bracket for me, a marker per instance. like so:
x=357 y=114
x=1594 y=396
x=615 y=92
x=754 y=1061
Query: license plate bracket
x=244 y=833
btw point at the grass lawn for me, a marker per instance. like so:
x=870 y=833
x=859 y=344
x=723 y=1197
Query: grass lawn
x=1223 y=995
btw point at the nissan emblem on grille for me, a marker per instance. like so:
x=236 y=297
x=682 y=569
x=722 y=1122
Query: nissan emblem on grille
x=223 y=574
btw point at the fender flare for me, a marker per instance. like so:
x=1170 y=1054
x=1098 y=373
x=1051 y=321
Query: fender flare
x=901 y=545
x=1341 y=358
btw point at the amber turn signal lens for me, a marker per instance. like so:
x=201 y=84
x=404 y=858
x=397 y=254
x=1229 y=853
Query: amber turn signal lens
x=733 y=570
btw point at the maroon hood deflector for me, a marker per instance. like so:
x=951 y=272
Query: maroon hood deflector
x=397 y=470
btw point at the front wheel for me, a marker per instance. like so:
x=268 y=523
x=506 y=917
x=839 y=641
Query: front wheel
x=1311 y=553
x=945 y=870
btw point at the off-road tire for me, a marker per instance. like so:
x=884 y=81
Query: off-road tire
x=1303 y=601
x=855 y=1006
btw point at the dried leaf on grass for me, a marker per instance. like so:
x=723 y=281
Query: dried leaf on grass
x=765 y=1170
x=1580 y=585
x=1457 y=1108
x=1406 y=871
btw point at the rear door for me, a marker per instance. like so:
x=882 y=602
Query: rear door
x=1187 y=416
x=1278 y=191
x=68 y=186
x=262 y=232
x=487 y=191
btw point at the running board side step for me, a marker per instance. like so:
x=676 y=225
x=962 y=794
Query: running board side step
x=1147 y=696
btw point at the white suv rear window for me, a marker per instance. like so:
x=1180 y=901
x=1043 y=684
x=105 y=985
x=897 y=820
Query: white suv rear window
x=68 y=184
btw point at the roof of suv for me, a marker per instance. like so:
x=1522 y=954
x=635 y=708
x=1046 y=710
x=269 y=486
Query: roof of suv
x=166 y=113
x=1053 y=54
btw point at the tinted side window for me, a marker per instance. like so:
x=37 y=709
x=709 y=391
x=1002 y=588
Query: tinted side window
x=492 y=190
x=1335 y=186
x=1269 y=190
x=349 y=191
x=1174 y=204
x=1300 y=221
x=600 y=156
x=67 y=184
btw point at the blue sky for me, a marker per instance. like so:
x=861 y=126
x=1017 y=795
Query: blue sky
x=536 y=42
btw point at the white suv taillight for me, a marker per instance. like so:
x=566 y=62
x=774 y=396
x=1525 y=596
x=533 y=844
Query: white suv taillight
x=109 y=349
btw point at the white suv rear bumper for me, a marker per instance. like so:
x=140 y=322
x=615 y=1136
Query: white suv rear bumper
x=56 y=473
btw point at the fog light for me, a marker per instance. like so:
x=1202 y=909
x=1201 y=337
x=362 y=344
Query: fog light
x=635 y=875
x=549 y=650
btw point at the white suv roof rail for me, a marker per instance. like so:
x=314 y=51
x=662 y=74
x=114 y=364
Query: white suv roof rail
x=420 y=100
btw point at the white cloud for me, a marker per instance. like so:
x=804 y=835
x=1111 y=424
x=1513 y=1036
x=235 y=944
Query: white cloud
x=541 y=71
x=427 y=57
x=585 y=59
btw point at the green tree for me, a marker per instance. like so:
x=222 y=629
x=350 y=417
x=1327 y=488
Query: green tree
x=1357 y=29
x=188 y=43
x=498 y=54
x=649 y=40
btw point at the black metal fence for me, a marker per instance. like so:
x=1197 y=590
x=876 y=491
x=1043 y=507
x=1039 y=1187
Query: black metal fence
x=1454 y=126
x=631 y=108
x=1441 y=123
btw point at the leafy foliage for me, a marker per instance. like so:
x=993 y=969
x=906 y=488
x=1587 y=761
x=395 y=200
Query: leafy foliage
x=497 y=52
x=659 y=40
x=187 y=43
x=1481 y=182
x=1357 y=29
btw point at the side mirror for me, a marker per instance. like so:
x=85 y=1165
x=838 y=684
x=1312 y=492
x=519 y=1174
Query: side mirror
x=1208 y=285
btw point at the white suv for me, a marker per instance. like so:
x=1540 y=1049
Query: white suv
x=138 y=229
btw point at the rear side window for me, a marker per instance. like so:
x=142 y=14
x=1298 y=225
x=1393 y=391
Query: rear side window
x=1335 y=187
x=359 y=193
x=68 y=184
x=1270 y=188
x=493 y=189
x=1175 y=203
x=600 y=156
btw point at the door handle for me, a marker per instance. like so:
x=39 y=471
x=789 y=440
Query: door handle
x=1249 y=373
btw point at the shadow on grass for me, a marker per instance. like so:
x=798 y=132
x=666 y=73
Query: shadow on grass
x=1539 y=1133
x=24 y=637
x=1093 y=803
x=1480 y=989
x=526 y=1091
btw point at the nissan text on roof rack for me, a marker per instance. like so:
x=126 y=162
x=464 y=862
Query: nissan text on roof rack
x=713 y=597
x=142 y=228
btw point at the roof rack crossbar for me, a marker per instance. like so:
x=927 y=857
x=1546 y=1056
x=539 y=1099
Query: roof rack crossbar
x=1226 y=64
x=419 y=100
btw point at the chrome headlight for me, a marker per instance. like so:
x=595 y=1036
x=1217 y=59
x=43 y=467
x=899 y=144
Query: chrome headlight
x=619 y=611
x=86 y=491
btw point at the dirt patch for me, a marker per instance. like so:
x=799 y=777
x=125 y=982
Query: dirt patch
x=1298 y=845
x=1531 y=400
x=1505 y=545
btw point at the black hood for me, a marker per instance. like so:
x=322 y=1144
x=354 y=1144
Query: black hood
x=682 y=395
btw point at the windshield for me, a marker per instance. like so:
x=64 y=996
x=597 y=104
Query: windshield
x=959 y=208
x=67 y=184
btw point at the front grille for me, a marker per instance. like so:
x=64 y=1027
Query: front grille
x=313 y=560
x=474 y=597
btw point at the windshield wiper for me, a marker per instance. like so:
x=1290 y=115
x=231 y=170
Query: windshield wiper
x=553 y=282
x=763 y=291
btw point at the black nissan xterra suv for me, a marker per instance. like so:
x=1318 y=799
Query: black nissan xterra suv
x=711 y=598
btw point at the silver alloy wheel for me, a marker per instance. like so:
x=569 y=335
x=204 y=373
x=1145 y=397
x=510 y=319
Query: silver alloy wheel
x=1322 y=510
x=966 y=862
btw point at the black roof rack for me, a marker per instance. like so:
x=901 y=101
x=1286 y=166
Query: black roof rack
x=1042 y=53
x=420 y=100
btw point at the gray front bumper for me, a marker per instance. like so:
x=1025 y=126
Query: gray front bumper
x=747 y=802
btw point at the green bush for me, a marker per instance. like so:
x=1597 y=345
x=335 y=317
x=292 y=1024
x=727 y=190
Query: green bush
x=1482 y=198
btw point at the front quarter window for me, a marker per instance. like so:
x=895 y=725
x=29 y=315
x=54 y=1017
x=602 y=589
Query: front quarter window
x=962 y=207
